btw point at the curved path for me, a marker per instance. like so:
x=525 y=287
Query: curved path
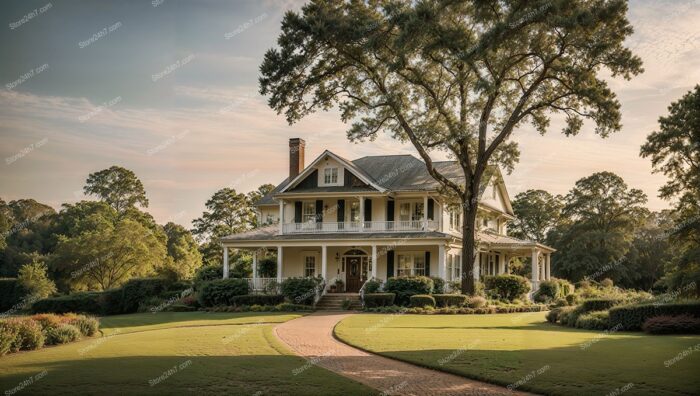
x=312 y=337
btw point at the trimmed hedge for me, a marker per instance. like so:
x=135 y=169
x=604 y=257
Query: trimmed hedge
x=86 y=302
x=257 y=299
x=300 y=290
x=220 y=291
x=632 y=317
x=598 y=320
x=450 y=300
x=508 y=287
x=138 y=290
x=438 y=285
x=553 y=315
x=459 y=310
x=682 y=324
x=599 y=304
x=406 y=286
x=548 y=290
x=11 y=293
x=422 y=300
x=373 y=300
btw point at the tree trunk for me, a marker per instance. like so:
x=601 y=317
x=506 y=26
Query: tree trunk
x=469 y=210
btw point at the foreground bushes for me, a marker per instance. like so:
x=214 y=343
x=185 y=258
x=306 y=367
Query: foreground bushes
x=373 y=300
x=459 y=310
x=450 y=300
x=221 y=291
x=257 y=299
x=284 y=307
x=406 y=286
x=29 y=333
x=632 y=317
x=507 y=287
x=422 y=300
x=682 y=324
x=301 y=290
x=598 y=320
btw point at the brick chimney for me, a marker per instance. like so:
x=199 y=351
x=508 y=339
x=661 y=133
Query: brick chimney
x=296 y=157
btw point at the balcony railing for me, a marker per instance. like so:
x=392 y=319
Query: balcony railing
x=366 y=226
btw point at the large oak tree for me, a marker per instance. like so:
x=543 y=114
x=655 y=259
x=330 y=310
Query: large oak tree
x=451 y=76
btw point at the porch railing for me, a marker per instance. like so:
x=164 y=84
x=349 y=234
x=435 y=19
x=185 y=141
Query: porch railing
x=261 y=284
x=357 y=226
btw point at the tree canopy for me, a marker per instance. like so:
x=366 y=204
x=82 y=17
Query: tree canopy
x=451 y=76
x=536 y=212
x=117 y=186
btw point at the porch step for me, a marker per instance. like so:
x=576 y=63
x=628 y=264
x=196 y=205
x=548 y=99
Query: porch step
x=334 y=301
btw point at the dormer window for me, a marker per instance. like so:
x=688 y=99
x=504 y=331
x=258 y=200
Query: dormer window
x=330 y=176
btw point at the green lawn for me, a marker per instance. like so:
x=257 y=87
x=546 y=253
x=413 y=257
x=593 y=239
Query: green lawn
x=505 y=349
x=192 y=353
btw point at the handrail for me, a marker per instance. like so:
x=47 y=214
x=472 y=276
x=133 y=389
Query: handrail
x=362 y=292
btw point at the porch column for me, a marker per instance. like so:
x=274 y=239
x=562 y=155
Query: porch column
x=374 y=261
x=324 y=262
x=279 y=264
x=225 y=262
x=535 y=269
x=439 y=216
x=255 y=268
x=281 y=217
x=442 y=265
x=548 y=263
x=425 y=212
x=362 y=212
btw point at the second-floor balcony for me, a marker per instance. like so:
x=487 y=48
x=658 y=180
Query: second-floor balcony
x=360 y=226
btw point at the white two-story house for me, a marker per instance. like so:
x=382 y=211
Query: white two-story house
x=378 y=217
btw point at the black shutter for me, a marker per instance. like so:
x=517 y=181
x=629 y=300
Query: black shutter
x=389 y=264
x=297 y=211
x=319 y=211
x=368 y=209
x=390 y=210
x=431 y=209
x=427 y=263
x=341 y=210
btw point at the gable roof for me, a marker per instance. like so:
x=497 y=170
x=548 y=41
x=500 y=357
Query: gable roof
x=402 y=172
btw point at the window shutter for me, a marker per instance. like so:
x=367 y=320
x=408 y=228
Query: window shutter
x=368 y=209
x=319 y=211
x=341 y=210
x=427 y=263
x=390 y=210
x=431 y=209
x=297 y=211
x=389 y=264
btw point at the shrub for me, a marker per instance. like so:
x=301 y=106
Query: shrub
x=208 y=273
x=287 y=307
x=257 y=299
x=153 y=304
x=438 y=285
x=8 y=334
x=632 y=317
x=681 y=324
x=267 y=267
x=565 y=314
x=300 y=290
x=406 y=286
x=598 y=320
x=87 y=302
x=599 y=304
x=565 y=287
x=560 y=302
x=33 y=278
x=422 y=300
x=272 y=287
x=64 y=334
x=571 y=299
x=87 y=325
x=181 y=308
x=549 y=290
x=29 y=335
x=110 y=302
x=373 y=300
x=136 y=291
x=347 y=304
x=11 y=293
x=508 y=287
x=450 y=300
x=372 y=286
x=553 y=315
x=607 y=283
x=48 y=321
x=220 y=291
x=190 y=301
x=476 y=302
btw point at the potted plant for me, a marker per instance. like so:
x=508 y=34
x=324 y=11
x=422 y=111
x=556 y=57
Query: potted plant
x=339 y=285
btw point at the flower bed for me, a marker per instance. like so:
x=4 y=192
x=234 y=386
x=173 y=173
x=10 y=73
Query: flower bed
x=34 y=332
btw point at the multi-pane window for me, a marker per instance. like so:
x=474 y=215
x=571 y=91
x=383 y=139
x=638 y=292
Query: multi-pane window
x=418 y=211
x=309 y=213
x=454 y=219
x=310 y=266
x=411 y=264
x=330 y=176
x=405 y=211
x=355 y=211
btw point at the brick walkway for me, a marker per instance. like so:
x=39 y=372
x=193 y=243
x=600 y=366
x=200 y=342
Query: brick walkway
x=312 y=337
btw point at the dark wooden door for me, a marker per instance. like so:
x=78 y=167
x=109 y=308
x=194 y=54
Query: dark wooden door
x=353 y=274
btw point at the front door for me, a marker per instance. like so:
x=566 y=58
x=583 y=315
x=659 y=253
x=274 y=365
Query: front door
x=353 y=274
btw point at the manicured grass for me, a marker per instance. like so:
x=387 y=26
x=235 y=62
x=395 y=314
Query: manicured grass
x=206 y=353
x=506 y=348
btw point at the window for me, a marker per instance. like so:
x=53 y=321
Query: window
x=309 y=214
x=405 y=211
x=454 y=219
x=418 y=211
x=355 y=212
x=310 y=266
x=411 y=264
x=330 y=176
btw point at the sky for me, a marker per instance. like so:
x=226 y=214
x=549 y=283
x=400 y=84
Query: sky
x=169 y=90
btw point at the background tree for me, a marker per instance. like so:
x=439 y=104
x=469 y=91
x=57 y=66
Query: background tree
x=604 y=215
x=255 y=196
x=117 y=186
x=453 y=77
x=27 y=236
x=183 y=252
x=537 y=212
x=650 y=252
x=675 y=152
x=34 y=279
